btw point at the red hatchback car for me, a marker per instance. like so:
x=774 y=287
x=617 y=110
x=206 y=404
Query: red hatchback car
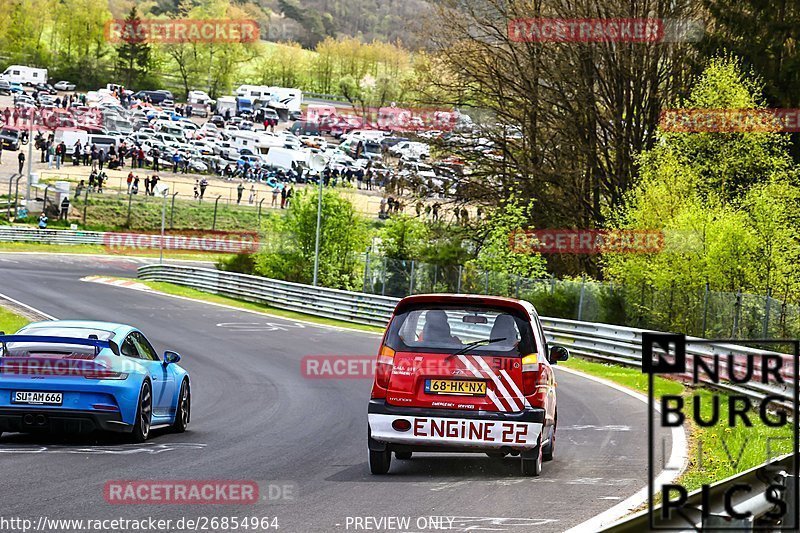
x=460 y=373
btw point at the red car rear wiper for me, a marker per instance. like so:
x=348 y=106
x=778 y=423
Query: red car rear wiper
x=472 y=345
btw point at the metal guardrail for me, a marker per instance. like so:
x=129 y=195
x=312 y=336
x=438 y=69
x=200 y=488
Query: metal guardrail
x=49 y=236
x=604 y=342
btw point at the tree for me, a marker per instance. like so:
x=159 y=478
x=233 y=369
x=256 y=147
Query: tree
x=134 y=53
x=725 y=202
x=343 y=239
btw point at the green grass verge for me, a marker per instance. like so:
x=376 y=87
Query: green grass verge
x=10 y=321
x=715 y=452
x=178 y=290
x=91 y=249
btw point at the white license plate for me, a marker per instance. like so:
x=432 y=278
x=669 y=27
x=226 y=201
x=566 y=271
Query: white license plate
x=37 y=398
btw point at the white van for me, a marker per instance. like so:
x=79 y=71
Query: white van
x=69 y=136
x=25 y=75
x=287 y=159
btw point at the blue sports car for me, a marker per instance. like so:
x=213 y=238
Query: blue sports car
x=80 y=376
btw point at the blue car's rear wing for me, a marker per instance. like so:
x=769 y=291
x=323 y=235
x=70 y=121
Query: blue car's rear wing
x=42 y=339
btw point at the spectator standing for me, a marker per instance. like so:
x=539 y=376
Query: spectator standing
x=21 y=158
x=155 y=155
x=51 y=154
x=86 y=154
x=135 y=188
x=129 y=181
x=94 y=156
x=64 y=209
x=196 y=189
x=239 y=192
x=203 y=185
x=140 y=157
x=275 y=192
x=283 y=198
x=101 y=178
x=176 y=159
x=252 y=194
x=153 y=183
x=289 y=195
x=76 y=153
x=147 y=185
x=101 y=158
x=79 y=189
x=42 y=221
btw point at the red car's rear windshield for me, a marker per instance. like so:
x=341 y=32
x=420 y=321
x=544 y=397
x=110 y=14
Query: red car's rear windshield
x=448 y=329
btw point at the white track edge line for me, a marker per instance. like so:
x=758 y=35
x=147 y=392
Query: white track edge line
x=678 y=454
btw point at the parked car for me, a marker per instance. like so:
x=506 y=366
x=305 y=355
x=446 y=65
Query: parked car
x=64 y=86
x=5 y=87
x=45 y=88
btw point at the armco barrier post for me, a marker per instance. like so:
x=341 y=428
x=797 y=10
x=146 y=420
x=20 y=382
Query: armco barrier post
x=16 y=196
x=259 y=213
x=736 y=311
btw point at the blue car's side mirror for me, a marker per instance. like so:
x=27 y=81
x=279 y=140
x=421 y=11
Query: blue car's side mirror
x=171 y=357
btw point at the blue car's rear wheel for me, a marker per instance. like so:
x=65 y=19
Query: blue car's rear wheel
x=184 y=409
x=144 y=414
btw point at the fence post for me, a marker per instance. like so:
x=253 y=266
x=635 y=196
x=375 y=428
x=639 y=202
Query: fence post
x=130 y=199
x=86 y=206
x=259 y=214
x=172 y=210
x=10 y=182
x=580 y=299
x=366 y=262
x=705 y=311
x=736 y=311
x=671 y=300
x=766 y=313
x=383 y=288
x=458 y=283
x=411 y=279
x=216 y=205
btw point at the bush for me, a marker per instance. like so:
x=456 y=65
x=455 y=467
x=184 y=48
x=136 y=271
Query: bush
x=241 y=263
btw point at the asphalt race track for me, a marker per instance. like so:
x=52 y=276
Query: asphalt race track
x=255 y=417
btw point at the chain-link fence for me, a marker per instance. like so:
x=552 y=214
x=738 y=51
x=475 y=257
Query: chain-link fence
x=699 y=312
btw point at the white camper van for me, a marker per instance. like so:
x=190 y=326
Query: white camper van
x=25 y=75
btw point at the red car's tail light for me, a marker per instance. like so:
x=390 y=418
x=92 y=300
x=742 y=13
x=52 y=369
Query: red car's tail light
x=383 y=370
x=534 y=384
